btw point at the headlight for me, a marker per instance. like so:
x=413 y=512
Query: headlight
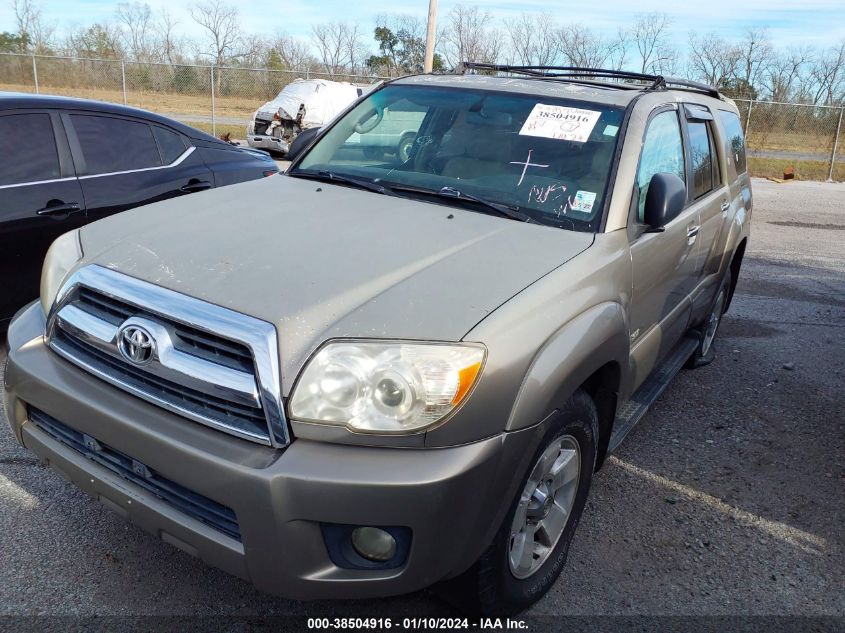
x=62 y=256
x=385 y=387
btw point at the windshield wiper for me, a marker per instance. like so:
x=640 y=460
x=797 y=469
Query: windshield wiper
x=506 y=210
x=325 y=175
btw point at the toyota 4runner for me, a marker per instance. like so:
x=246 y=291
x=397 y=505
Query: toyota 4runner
x=381 y=372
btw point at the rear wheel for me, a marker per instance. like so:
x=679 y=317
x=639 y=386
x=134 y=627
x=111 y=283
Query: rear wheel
x=706 y=352
x=530 y=549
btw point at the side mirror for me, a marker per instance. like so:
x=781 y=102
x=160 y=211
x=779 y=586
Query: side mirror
x=301 y=142
x=666 y=197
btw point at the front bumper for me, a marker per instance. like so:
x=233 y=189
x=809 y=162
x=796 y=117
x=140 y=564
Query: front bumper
x=452 y=499
x=263 y=141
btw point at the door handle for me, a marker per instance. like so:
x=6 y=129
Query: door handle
x=725 y=206
x=59 y=209
x=195 y=185
x=692 y=233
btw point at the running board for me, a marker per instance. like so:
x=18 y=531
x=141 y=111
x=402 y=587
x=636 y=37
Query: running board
x=633 y=411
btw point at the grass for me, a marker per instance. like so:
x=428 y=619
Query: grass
x=236 y=131
x=804 y=169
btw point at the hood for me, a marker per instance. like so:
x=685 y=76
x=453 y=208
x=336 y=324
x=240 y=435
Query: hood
x=321 y=261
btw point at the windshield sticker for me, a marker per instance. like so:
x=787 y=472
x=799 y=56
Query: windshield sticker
x=610 y=130
x=526 y=165
x=583 y=201
x=561 y=123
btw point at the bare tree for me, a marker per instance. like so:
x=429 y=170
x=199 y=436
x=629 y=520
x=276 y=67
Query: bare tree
x=828 y=76
x=220 y=22
x=782 y=78
x=36 y=34
x=136 y=22
x=755 y=51
x=295 y=54
x=712 y=59
x=650 y=34
x=354 y=48
x=331 y=42
x=533 y=39
x=468 y=36
x=170 y=45
x=584 y=48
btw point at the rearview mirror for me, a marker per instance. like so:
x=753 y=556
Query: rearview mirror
x=301 y=142
x=666 y=197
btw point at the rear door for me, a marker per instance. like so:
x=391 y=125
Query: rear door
x=126 y=162
x=40 y=198
x=710 y=197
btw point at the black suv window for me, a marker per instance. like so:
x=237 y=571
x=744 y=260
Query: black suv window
x=28 y=149
x=702 y=158
x=110 y=144
x=735 y=142
x=170 y=144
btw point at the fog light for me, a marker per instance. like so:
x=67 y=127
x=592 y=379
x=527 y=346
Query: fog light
x=374 y=544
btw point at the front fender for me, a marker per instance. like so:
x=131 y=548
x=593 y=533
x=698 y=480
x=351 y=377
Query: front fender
x=570 y=356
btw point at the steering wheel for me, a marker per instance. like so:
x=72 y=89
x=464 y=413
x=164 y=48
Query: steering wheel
x=374 y=117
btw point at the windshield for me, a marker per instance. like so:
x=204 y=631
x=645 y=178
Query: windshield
x=548 y=158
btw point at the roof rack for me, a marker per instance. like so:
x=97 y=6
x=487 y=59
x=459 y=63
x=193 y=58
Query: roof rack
x=654 y=82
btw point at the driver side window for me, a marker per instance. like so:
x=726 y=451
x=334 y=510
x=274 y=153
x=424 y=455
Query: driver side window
x=663 y=152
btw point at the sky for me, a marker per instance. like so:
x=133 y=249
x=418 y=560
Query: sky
x=819 y=23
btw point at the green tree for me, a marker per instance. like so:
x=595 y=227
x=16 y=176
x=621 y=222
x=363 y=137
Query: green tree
x=738 y=88
x=96 y=41
x=275 y=61
x=13 y=42
x=400 y=52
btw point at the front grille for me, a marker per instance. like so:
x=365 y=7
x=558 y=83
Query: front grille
x=199 y=360
x=187 y=339
x=196 y=506
x=246 y=419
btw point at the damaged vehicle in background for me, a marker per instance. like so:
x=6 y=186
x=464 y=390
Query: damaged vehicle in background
x=302 y=104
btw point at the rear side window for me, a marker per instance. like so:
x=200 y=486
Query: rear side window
x=170 y=144
x=27 y=148
x=663 y=152
x=735 y=142
x=702 y=157
x=111 y=145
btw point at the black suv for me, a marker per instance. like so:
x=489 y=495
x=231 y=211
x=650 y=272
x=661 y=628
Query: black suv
x=67 y=162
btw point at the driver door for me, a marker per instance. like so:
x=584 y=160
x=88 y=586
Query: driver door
x=663 y=263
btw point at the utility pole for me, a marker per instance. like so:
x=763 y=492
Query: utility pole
x=429 y=36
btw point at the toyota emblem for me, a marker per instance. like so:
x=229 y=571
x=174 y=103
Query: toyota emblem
x=136 y=344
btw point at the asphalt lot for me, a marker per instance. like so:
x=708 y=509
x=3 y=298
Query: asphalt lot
x=727 y=498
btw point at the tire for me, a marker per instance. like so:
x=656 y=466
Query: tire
x=706 y=350
x=495 y=585
x=403 y=149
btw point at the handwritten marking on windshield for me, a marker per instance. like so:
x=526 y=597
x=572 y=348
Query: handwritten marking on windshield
x=541 y=194
x=526 y=165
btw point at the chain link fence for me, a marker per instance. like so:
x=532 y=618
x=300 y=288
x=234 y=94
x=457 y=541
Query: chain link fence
x=215 y=99
x=806 y=138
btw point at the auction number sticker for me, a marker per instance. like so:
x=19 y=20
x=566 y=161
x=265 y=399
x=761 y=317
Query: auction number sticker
x=560 y=122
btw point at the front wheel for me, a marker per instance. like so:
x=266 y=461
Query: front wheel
x=529 y=550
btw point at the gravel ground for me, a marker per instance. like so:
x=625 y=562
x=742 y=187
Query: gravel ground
x=726 y=499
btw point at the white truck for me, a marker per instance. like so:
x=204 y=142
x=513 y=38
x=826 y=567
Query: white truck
x=302 y=104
